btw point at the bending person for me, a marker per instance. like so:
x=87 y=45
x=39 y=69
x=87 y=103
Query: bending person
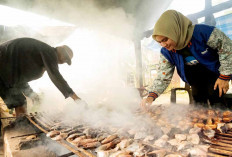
x=201 y=54
x=25 y=59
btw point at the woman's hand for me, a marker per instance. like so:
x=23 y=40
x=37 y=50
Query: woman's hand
x=223 y=86
x=146 y=103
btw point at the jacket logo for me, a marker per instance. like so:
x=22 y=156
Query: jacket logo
x=204 y=52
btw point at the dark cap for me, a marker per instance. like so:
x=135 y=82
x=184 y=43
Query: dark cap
x=67 y=53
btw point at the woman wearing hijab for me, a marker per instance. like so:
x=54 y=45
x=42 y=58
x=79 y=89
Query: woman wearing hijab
x=202 y=55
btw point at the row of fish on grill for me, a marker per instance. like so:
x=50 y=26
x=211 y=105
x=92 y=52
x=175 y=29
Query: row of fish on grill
x=165 y=135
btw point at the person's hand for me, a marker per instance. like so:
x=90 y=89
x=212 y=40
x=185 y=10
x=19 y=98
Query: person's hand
x=223 y=86
x=81 y=103
x=142 y=91
x=146 y=103
x=74 y=97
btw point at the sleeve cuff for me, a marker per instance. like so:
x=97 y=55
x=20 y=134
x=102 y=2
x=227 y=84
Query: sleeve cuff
x=153 y=95
x=224 y=77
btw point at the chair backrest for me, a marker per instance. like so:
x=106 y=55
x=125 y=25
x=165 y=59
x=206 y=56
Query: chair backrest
x=186 y=88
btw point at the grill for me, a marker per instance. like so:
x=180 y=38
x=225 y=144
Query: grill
x=46 y=124
x=221 y=145
x=201 y=133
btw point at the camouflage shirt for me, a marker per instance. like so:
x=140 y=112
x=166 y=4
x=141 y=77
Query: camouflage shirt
x=217 y=40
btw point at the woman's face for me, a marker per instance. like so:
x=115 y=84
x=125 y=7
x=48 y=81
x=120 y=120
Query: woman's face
x=169 y=44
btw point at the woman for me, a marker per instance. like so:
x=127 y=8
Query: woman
x=202 y=55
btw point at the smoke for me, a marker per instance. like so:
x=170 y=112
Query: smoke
x=53 y=146
x=172 y=113
x=99 y=69
x=83 y=14
x=103 y=57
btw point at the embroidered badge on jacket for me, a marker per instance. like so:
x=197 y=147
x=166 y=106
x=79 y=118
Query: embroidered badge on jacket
x=204 y=52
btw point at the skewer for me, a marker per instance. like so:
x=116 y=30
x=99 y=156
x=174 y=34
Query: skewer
x=7 y=117
x=67 y=155
x=219 y=151
x=43 y=123
x=214 y=155
x=86 y=152
x=78 y=153
x=221 y=144
x=28 y=134
x=44 y=120
x=223 y=138
x=223 y=134
x=224 y=141
x=223 y=148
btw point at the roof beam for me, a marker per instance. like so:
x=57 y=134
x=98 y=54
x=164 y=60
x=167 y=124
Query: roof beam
x=211 y=10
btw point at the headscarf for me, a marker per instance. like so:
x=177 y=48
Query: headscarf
x=176 y=26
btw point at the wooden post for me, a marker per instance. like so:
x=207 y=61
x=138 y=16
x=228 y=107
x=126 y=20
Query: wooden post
x=138 y=58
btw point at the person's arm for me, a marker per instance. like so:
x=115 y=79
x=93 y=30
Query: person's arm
x=50 y=61
x=161 y=82
x=163 y=79
x=218 y=40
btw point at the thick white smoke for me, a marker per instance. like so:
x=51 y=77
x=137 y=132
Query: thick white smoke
x=99 y=69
